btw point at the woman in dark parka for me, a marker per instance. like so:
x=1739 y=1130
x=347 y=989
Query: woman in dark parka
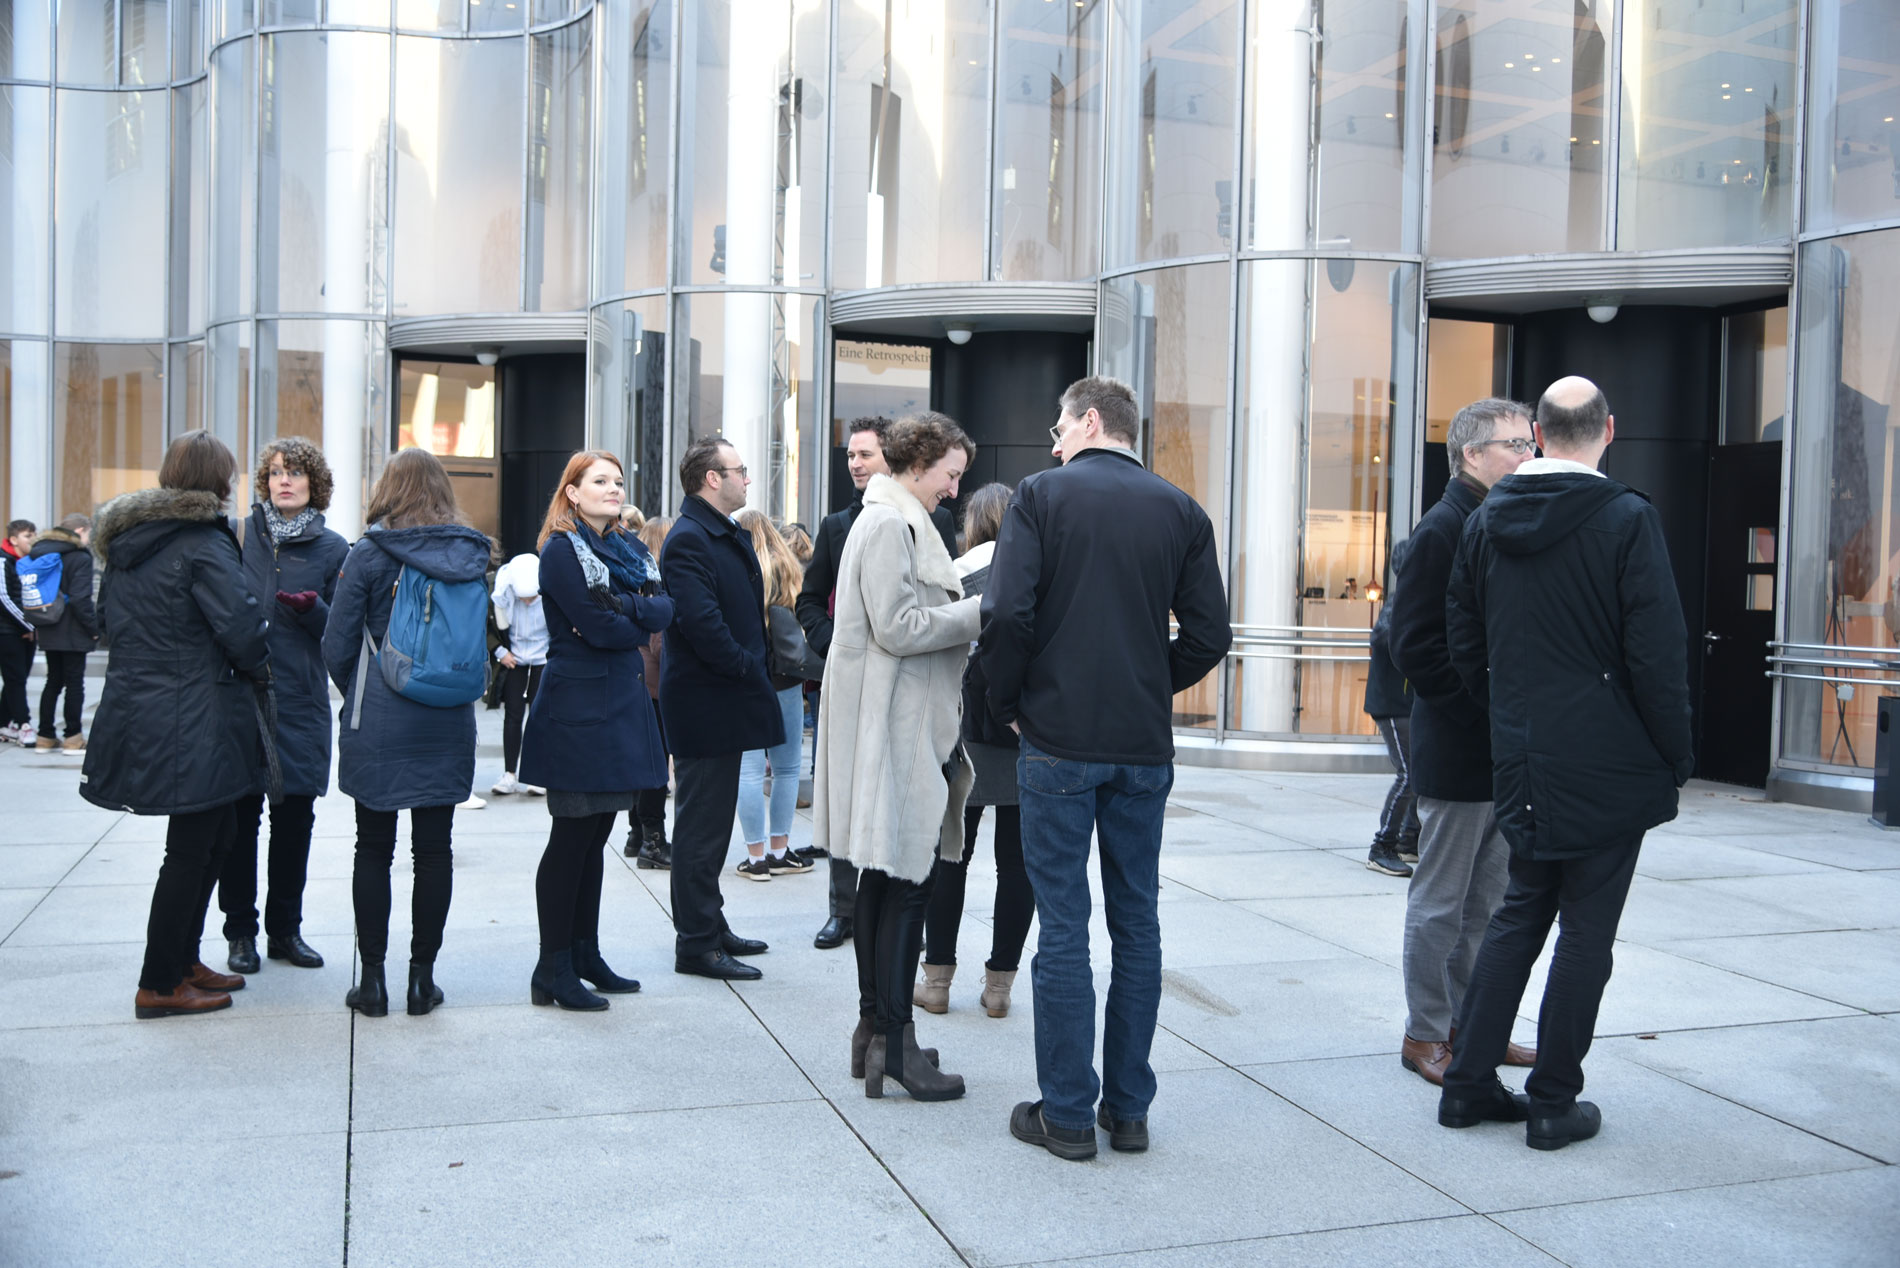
x=590 y=740
x=399 y=754
x=290 y=567
x=176 y=731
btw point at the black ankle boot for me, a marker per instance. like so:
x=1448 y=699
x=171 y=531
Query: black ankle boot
x=899 y=1057
x=369 y=996
x=555 y=982
x=654 y=852
x=424 y=994
x=589 y=967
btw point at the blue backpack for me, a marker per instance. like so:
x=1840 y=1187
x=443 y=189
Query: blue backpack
x=40 y=596
x=435 y=650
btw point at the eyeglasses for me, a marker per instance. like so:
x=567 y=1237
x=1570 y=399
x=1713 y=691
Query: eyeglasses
x=1516 y=444
x=294 y=473
x=738 y=471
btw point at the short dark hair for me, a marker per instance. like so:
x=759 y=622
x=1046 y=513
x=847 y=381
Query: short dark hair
x=699 y=460
x=304 y=455
x=1112 y=400
x=1475 y=424
x=1570 y=426
x=918 y=442
x=198 y=461
x=880 y=427
x=16 y=527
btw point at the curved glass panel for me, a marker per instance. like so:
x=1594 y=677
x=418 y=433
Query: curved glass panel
x=188 y=47
x=23 y=177
x=1048 y=179
x=291 y=13
x=627 y=358
x=108 y=421
x=231 y=17
x=1853 y=100
x=142 y=42
x=321 y=211
x=88 y=43
x=1353 y=85
x=228 y=370
x=1164 y=333
x=1519 y=121
x=317 y=379
x=233 y=178
x=1170 y=183
x=429 y=15
x=1844 y=520
x=497 y=15
x=560 y=99
x=186 y=384
x=912 y=143
x=630 y=216
x=359 y=12
x=23 y=436
x=190 y=197
x=1707 y=151
x=109 y=204
x=24 y=39
x=459 y=150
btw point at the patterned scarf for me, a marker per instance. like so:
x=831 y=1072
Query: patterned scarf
x=620 y=556
x=283 y=530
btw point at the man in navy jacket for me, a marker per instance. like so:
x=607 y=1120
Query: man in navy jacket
x=716 y=698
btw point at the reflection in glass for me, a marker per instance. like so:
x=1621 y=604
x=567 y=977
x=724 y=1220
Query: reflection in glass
x=231 y=17
x=1048 y=174
x=23 y=178
x=186 y=384
x=630 y=215
x=313 y=380
x=188 y=50
x=23 y=436
x=876 y=380
x=1165 y=334
x=497 y=15
x=321 y=210
x=1708 y=122
x=429 y=15
x=446 y=407
x=228 y=370
x=190 y=197
x=24 y=39
x=88 y=45
x=290 y=12
x=109 y=204
x=142 y=57
x=358 y=13
x=1853 y=100
x=108 y=421
x=1755 y=376
x=1171 y=129
x=459 y=148
x=628 y=362
x=1518 y=164
x=233 y=178
x=909 y=169
x=558 y=152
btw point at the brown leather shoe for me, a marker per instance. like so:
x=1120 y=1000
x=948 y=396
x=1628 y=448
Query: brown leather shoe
x=1518 y=1054
x=206 y=978
x=184 y=1001
x=1427 y=1058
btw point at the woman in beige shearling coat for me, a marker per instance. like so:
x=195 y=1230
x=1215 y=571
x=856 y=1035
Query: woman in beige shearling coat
x=891 y=777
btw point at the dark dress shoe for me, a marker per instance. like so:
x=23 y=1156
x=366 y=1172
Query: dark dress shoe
x=836 y=933
x=716 y=964
x=732 y=944
x=1580 y=1122
x=1124 y=1135
x=206 y=978
x=1427 y=1058
x=184 y=1000
x=292 y=947
x=370 y=996
x=424 y=994
x=1027 y=1125
x=243 y=957
x=1496 y=1104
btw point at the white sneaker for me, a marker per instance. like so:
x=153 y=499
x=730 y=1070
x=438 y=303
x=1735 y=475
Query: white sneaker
x=506 y=784
x=10 y=732
x=28 y=737
x=473 y=803
x=534 y=790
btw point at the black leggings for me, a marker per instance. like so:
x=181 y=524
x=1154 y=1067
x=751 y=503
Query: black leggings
x=430 y=831
x=649 y=808
x=889 y=936
x=567 y=884
x=195 y=846
x=65 y=671
x=16 y=666
x=518 y=686
x=1015 y=901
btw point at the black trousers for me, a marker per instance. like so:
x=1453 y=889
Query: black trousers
x=706 y=798
x=888 y=936
x=291 y=821
x=568 y=882
x=16 y=666
x=1586 y=895
x=430 y=831
x=649 y=808
x=65 y=671
x=1015 y=900
x=518 y=686
x=1398 y=820
x=195 y=846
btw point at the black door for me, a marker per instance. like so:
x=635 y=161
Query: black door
x=1739 y=613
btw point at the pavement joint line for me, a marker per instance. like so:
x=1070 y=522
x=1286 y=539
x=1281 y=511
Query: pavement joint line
x=585 y=1115
x=1773 y=1118
x=28 y=914
x=1663 y=1193
x=1095 y=1257
x=349 y=1122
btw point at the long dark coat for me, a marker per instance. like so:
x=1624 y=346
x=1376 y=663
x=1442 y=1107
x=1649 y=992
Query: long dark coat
x=309 y=561
x=176 y=730
x=716 y=694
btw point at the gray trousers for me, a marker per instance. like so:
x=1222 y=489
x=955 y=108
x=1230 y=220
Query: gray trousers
x=844 y=886
x=1457 y=884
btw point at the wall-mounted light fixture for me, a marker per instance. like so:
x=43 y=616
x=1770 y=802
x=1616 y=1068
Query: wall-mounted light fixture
x=958 y=332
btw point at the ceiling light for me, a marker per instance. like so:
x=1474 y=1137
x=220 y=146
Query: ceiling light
x=1602 y=308
x=1738 y=162
x=1537 y=68
x=1510 y=65
x=1888 y=119
x=1748 y=90
x=1388 y=114
x=1725 y=96
x=1573 y=140
x=1555 y=60
x=1725 y=85
x=957 y=332
x=1596 y=143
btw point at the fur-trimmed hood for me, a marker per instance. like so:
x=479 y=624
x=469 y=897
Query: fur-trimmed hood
x=150 y=506
x=55 y=539
x=934 y=564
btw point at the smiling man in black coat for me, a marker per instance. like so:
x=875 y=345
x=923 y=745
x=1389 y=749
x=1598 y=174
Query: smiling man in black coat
x=1563 y=618
x=716 y=698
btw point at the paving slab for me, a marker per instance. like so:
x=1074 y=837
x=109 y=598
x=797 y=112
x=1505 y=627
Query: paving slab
x=1671 y=857
x=1371 y=925
x=1653 y=989
x=1472 y=1240
x=39 y=864
x=1286 y=874
x=1858 y=968
x=15 y=906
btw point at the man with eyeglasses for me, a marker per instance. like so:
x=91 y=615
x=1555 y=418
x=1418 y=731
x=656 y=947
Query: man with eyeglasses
x=716 y=698
x=1459 y=878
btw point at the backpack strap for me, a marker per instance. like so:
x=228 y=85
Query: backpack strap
x=370 y=651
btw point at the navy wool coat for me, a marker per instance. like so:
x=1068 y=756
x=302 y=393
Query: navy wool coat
x=591 y=726
x=308 y=561
x=402 y=754
x=716 y=695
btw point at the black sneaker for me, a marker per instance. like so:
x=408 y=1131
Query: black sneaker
x=1383 y=858
x=759 y=869
x=1408 y=851
x=787 y=864
x=1124 y=1137
x=812 y=853
x=1027 y=1124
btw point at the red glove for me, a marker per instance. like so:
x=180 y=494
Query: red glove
x=300 y=602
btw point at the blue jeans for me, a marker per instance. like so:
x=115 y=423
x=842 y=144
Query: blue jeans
x=1062 y=803
x=787 y=761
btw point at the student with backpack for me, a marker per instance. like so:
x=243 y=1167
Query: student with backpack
x=406 y=643
x=56 y=589
x=16 y=639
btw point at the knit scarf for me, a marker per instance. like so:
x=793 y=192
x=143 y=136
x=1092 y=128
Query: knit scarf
x=616 y=558
x=283 y=530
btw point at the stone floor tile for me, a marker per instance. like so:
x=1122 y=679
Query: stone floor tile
x=1286 y=874
x=15 y=906
x=1470 y=1241
x=1371 y=925
x=34 y=865
x=1859 y=968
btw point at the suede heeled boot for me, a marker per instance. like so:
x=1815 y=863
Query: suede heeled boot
x=861 y=1043
x=589 y=967
x=554 y=982
x=900 y=1058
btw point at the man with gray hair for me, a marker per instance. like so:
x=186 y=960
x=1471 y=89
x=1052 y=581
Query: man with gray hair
x=1459 y=878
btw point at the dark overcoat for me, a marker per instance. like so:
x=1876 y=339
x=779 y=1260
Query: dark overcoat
x=716 y=692
x=308 y=561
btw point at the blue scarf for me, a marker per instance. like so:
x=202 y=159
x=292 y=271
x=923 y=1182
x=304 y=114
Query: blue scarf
x=620 y=556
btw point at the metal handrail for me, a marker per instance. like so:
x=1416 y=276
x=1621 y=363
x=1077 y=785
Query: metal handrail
x=1837 y=647
x=1879 y=667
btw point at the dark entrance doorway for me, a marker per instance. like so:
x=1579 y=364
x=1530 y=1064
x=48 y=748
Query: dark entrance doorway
x=1739 y=613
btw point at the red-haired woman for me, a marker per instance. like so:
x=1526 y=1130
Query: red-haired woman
x=590 y=740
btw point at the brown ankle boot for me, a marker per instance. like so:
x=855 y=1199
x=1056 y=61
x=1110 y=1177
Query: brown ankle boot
x=995 y=997
x=184 y=1000
x=933 y=993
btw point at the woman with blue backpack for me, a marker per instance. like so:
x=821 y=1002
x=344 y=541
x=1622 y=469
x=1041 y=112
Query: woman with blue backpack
x=591 y=740
x=406 y=643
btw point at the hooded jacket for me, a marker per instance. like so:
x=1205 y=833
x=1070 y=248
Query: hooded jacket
x=1562 y=617
x=308 y=561
x=176 y=730
x=77 y=629
x=401 y=754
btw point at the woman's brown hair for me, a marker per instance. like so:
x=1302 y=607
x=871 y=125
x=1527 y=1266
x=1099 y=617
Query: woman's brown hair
x=983 y=515
x=306 y=457
x=561 y=517
x=783 y=576
x=916 y=443
x=413 y=491
x=653 y=534
x=198 y=461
